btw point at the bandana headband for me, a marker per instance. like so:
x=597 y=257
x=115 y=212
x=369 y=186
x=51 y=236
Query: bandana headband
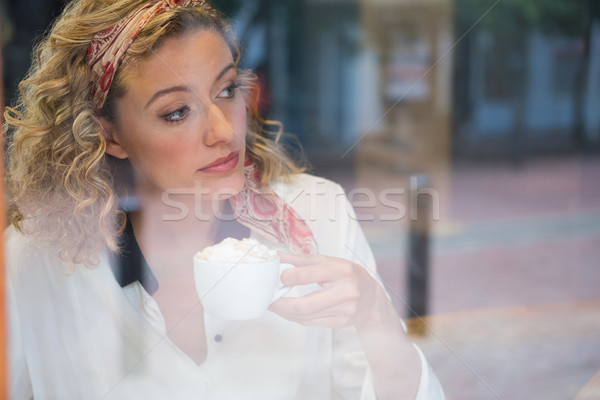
x=108 y=47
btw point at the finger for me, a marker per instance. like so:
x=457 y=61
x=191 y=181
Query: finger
x=307 y=275
x=330 y=271
x=336 y=316
x=298 y=307
x=346 y=311
x=299 y=260
x=327 y=322
x=318 y=304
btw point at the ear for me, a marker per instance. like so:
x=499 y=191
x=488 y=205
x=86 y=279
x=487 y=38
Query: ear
x=113 y=147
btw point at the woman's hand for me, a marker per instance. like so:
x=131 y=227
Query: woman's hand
x=349 y=295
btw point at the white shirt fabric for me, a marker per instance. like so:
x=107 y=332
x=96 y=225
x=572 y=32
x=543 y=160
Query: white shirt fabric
x=76 y=334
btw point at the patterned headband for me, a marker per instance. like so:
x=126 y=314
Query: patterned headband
x=107 y=48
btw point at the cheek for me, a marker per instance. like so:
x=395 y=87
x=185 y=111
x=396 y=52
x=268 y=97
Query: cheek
x=151 y=149
x=149 y=153
x=239 y=119
x=241 y=132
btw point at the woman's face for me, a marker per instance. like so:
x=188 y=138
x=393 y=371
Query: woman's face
x=182 y=120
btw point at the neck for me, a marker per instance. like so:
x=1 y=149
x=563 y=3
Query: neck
x=175 y=222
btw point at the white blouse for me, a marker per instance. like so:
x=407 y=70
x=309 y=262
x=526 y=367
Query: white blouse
x=76 y=334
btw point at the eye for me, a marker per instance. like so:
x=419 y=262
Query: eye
x=177 y=115
x=228 y=92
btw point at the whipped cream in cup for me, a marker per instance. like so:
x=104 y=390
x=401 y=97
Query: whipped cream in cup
x=232 y=251
x=238 y=279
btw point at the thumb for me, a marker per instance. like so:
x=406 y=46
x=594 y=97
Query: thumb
x=299 y=260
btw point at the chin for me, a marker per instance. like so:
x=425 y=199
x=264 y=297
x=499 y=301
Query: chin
x=228 y=187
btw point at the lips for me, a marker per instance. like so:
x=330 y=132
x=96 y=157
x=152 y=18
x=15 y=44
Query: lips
x=222 y=164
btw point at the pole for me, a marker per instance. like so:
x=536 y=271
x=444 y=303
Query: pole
x=418 y=250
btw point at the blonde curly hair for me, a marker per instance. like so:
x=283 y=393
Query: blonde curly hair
x=60 y=181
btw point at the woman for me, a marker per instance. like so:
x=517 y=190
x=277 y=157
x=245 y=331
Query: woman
x=155 y=85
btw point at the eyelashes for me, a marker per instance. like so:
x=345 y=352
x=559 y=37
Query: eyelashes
x=177 y=115
x=181 y=113
x=229 y=92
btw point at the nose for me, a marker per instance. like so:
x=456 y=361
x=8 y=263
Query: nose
x=219 y=128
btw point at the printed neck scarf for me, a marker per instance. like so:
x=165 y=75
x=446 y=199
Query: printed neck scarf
x=262 y=210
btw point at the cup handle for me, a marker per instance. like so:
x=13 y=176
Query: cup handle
x=281 y=289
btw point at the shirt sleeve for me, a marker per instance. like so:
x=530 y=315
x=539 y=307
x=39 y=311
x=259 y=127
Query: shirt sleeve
x=326 y=209
x=349 y=363
x=18 y=374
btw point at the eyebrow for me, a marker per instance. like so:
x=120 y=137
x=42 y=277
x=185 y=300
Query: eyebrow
x=224 y=71
x=183 y=88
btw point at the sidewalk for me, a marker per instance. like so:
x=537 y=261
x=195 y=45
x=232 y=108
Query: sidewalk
x=527 y=235
x=514 y=276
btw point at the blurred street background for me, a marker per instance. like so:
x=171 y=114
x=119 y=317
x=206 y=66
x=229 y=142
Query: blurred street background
x=467 y=135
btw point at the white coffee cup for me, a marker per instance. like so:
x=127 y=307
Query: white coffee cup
x=239 y=290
